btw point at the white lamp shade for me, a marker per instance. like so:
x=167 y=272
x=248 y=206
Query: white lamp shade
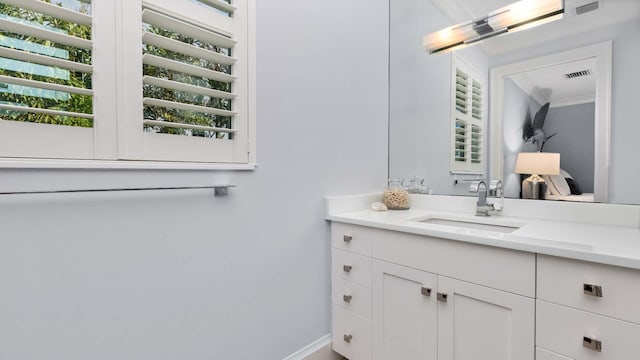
x=538 y=163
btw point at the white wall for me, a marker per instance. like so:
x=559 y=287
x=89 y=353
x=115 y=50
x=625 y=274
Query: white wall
x=420 y=93
x=184 y=275
x=575 y=128
x=516 y=105
x=626 y=77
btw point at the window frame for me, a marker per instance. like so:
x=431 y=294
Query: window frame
x=114 y=139
x=467 y=167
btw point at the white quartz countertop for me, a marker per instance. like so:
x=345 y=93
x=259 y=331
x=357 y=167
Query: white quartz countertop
x=606 y=244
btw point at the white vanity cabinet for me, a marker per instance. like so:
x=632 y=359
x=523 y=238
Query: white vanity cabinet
x=405 y=313
x=477 y=322
x=430 y=298
x=587 y=310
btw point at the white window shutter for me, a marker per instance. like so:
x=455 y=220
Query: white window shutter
x=193 y=94
x=467 y=120
x=46 y=81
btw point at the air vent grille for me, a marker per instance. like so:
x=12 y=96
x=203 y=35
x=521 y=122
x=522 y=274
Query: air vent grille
x=577 y=74
x=592 y=6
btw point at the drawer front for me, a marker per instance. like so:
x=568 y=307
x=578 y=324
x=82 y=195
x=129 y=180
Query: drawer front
x=352 y=267
x=351 y=335
x=352 y=238
x=542 y=354
x=502 y=269
x=601 y=289
x=578 y=334
x=353 y=297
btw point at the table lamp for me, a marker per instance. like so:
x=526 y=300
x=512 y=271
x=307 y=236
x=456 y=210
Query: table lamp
x=536 y=164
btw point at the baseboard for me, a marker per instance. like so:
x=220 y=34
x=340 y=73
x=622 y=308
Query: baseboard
x=317 y=350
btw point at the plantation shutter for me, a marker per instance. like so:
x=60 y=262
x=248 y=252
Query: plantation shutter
x=46 y=80
x=194 y=82
x=467 y=122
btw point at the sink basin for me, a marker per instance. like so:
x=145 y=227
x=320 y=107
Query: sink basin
x=472 y=225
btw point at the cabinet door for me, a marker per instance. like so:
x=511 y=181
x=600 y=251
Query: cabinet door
x=404 y=313
x=480 y=323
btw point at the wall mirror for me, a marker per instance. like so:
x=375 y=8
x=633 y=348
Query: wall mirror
x=422 y=114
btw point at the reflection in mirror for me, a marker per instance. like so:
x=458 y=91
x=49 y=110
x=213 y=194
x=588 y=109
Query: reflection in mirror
x=421 y=131
x=551 y=109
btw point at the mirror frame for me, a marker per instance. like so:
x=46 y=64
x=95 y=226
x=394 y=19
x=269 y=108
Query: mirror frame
x=602 y=53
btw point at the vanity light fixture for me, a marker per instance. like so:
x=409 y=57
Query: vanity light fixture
x=521 y=15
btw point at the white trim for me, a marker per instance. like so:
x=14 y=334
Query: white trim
x=252 y=80
x=601 y=52
x=53 y=10
x=176 y=125
x=186 y=106
x=310 y=349
x=176 y=85
x=56 y=37
x=45 y=60
x=16 y=163
x=174 y=23
x=44 y=85
x=28 y=109
x=158 y=61
x=573 y=100
x=220 y=5
x=184 y=48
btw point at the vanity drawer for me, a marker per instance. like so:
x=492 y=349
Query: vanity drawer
x=356 y=239
x=353 y=267
x=353 y=297
x=503 y=269
x=575 y=333
x=351 y=335
x=542 y=354
x=602 y=289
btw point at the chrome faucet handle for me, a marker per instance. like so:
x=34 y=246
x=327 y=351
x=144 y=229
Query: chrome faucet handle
x=496 y=190
x=474 y=187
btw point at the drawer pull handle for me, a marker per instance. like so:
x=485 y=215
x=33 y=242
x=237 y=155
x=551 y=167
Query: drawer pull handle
x=592 y=344
x=425 y=291
x=347 y=338
x=593 y=290
x=347 y=238
x=347 y=268
x=442 y=297
x=347 y=298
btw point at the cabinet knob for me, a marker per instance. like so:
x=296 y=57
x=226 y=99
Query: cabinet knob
x=592 y=344
x=347 y=268
x=347 y=298
x=347 y=238
x=425 y=291
x=442 y=297
x=347 y=338
x=592 y=290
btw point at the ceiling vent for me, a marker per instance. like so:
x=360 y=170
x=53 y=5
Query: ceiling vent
x=589 y=7
x=577 y=74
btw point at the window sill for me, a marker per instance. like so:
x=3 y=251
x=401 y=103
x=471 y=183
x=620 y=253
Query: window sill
x=6 y=163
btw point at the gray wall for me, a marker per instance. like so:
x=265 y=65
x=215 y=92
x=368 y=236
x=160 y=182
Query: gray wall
x=184 y=275
x=575 y=125
x=516 y=105
x=420 y=93
x=624 y=116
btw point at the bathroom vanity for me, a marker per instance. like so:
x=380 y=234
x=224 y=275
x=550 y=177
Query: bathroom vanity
x=436 y=282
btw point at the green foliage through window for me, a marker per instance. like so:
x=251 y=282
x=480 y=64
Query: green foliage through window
x=41 y=98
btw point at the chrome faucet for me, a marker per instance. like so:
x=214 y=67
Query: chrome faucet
x=482 y=206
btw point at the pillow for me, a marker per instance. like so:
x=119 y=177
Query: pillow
x=557 y=185
x=565 y=174
x=574 y=186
